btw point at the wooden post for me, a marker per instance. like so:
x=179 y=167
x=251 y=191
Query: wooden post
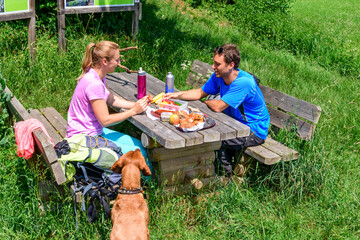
x=61 y=26
x=32 y=31
x=135 y=19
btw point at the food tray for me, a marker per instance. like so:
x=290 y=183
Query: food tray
x=183 y=105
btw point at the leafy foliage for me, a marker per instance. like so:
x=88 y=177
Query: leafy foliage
x=272 y=24
x=5 y=129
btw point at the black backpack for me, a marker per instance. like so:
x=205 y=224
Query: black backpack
x=87 y=161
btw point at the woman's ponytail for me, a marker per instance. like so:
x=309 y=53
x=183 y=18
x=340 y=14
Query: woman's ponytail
x=94 y=53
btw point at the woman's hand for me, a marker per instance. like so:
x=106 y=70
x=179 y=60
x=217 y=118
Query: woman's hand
x=141 y=105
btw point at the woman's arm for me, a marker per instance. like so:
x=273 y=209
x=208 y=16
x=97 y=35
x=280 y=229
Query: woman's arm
x=102 y=113
x=119 y=102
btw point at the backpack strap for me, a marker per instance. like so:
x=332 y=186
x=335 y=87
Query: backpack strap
x=241 y=107
x=92 y=211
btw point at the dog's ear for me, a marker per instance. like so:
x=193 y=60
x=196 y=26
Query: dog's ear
x=143 y=166
x=118 y=165
x=145 y=169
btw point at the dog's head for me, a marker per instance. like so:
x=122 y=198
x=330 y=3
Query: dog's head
x=132 y=157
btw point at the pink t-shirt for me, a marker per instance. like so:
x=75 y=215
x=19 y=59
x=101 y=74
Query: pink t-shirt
x=81 y=117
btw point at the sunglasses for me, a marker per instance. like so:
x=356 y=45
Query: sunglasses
x=219 y=50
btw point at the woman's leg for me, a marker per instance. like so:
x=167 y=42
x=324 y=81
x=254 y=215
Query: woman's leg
x=127 y=143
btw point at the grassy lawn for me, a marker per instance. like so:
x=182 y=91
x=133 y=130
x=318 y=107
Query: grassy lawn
x=315 y=197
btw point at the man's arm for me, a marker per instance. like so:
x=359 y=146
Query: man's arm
x=216 y=105
x=191 y=95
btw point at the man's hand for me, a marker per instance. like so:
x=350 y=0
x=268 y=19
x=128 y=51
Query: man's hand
x=174 y=95
x=193 y=94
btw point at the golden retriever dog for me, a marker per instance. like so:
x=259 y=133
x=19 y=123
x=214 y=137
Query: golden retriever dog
x=130 y=214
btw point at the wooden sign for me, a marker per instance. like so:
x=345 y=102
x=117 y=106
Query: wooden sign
x=21 y=9
x=93 y=6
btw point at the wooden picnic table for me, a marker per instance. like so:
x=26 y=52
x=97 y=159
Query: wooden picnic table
x=188 y=155
x=125 y=86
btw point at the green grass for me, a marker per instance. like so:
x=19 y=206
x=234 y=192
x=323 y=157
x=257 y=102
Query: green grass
x=315 y=197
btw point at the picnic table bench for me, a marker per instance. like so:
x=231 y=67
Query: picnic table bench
x=285 y=111
x=55 y=126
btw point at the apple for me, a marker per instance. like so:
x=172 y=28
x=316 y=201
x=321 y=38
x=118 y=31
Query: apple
x=174 y=119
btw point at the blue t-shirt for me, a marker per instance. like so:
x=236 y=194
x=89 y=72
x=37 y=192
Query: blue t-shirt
x=244 y=90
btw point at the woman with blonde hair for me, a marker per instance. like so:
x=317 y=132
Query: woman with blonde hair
x=88 y=111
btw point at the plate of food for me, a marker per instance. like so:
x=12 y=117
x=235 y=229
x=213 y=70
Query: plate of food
x=191 y=122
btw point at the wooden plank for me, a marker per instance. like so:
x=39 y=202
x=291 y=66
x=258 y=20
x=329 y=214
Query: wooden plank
x=58 y=172
x=283 y=120
x=291 y=104
x=35 y=113
x=16 y=108
x=15 y=16
x=202 y=68
x=61 y=26
x=56 y=120
x=45 y=146
x=160 y=154
x=195 y=80
x=178 y=177
x=263 y=155
x=135 y=20
x=32 y=31
x=285 y=152
x=182 y=163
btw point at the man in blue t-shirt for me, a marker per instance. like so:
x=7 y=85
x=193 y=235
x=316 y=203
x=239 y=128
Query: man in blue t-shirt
x=235 y=89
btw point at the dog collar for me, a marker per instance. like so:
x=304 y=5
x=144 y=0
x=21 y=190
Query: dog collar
x=123 y=190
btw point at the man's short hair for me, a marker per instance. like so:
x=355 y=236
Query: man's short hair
x=230 y=52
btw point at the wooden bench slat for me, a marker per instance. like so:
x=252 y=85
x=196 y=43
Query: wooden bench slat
x=285 y=152
x=291 y=104
x=16 y=108
x=35 y=113
x=58 y=173
x=195 y=80
x=160 y=154
x=263 y=155
x=56 y=120
x=285 y=121
x=202 y=68
x=199 y=73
